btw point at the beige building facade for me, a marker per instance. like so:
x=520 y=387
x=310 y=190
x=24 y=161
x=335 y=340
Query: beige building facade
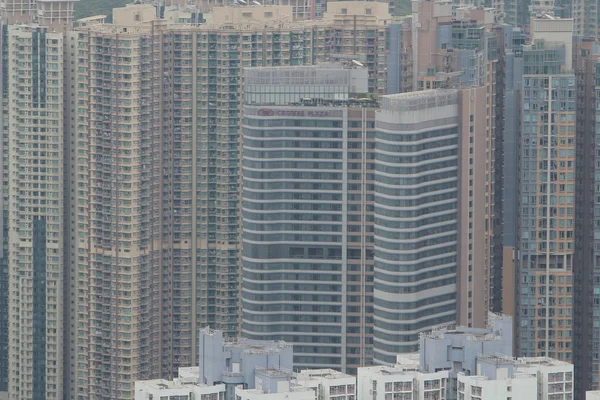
x=34 y=189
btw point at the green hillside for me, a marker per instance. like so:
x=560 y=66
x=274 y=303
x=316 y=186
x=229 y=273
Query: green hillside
x=88 y=8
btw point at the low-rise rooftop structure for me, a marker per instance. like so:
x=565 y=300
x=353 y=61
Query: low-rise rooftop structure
x=184 y=390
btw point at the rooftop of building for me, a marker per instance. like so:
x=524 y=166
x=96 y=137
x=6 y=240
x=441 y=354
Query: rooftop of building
x=499 y=359
x=514 y=375
x=390 y=370
x=139 y=18
x=189 y=372
x=542 y=361
x=274 y=372
x=163 y=384
x=354 y=100
x=592 y=395
x=326 y=373
x=420 y=100
x=473 y=334
x=257 y=346
x=496 y=359
x=408 y=360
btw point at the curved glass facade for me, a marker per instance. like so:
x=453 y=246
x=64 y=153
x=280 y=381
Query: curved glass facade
x=416 y=223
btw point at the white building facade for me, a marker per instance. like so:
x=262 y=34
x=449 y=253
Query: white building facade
x=177 y=390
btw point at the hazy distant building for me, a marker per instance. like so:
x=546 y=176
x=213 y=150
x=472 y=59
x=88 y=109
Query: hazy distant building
x=54 y=14
x=586 y=14
x=308 y=212
x=399 y=58
x=433 y=211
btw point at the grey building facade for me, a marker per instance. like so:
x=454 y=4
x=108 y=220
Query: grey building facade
x=434 y=208
x=416 y=223
x=308 y=214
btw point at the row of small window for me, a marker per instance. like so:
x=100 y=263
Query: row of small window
x=545 y=82
x=543 y=200
x=542 y=246
x=297 y=144
x=553 y=187
x=535 y=117
x=554 y=153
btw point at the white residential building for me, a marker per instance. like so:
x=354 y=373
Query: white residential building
x=317 y=384
x=329 y=384
x=401 y=383
x=518 y=387
x=275 y=384
x=555 y=378
x=501 y=377
x=257 y=394
x=177 y=390
x=592 y=395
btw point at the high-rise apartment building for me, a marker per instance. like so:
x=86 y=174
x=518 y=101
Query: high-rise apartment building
x=433 y=215
x=586 y=14
x=586 y=277
x=547 y=196
x=514 y=12
x=4 y=178
x=508 y=111
x=308 y=212
x=399 y=57
x=151 y=184
x=152 y=181
x=33 y=187
x=118 y=251
x=54 y=14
